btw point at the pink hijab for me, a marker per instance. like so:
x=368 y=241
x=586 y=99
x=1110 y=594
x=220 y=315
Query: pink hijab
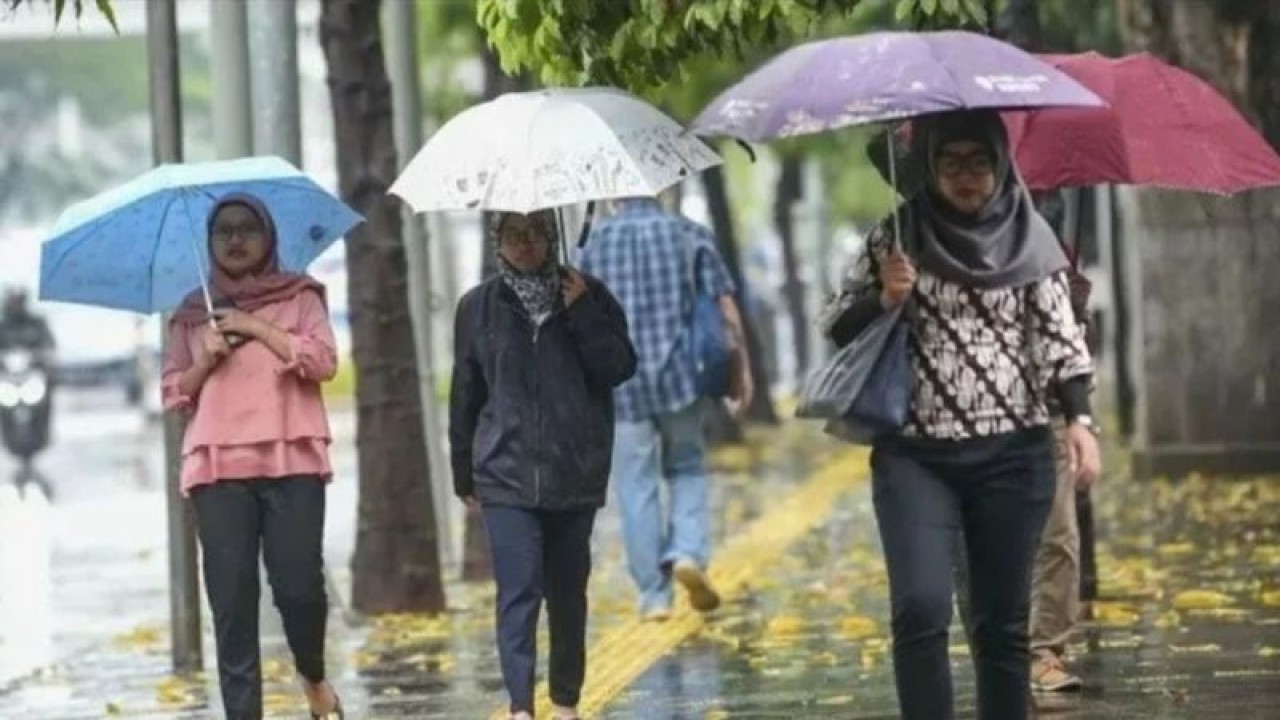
x=268 y=286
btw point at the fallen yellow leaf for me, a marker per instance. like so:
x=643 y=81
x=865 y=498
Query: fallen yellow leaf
x=1196 y=649
x=1270 y=598
x=144 y=637
x=1179 y=549
x=1114 y=614
x=785 y=626
x=1201 y=600
x=857 y=627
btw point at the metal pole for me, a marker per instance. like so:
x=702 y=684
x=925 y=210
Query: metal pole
x=401 y=28
x=166 y=141
x=232 y=121
x=273 y=59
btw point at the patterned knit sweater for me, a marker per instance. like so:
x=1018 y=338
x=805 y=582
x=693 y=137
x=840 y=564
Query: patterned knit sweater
x=986 y=361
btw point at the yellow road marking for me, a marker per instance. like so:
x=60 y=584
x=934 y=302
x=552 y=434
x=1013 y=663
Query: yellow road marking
x=623 y=655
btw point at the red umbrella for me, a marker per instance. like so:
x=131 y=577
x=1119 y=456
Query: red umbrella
x=1164 y=128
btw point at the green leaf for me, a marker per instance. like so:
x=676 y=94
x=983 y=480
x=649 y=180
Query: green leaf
x=977 y=11
x=930 y=7
x=903 y=12
x=951 y=6
x=58 y=7
x=108 y=12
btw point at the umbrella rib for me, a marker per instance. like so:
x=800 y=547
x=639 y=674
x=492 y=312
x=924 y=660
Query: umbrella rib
x=155 y=250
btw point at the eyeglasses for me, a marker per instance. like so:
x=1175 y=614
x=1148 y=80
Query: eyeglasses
x=952 y=165
x=246 y=230
x=526 y=236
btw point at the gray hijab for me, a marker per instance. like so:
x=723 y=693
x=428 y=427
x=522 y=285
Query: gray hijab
x=1007 y=244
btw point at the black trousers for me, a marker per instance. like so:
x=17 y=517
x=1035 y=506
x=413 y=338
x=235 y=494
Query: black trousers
x=541 y=555
x=281 y=521
x=994 y=493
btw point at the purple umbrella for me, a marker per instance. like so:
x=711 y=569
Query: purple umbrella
x=830 y=84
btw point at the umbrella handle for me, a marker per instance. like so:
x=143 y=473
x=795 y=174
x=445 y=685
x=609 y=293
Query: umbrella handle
x=586 y=225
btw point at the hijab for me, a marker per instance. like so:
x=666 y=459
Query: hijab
x=1007 y=243
x=267 y=286
x=538 y=290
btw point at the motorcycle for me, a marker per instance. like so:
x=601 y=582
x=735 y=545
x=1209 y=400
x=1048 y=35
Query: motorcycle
x=25 y=407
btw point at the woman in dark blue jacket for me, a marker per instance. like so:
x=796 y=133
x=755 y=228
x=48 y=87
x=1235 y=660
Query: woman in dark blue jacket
x=538 y=350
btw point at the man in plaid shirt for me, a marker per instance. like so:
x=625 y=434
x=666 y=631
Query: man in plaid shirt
x=645 y=256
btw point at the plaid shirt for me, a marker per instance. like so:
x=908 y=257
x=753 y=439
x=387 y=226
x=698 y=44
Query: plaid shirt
x=642 y=254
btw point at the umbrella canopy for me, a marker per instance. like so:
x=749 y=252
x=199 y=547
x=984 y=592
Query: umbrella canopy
x=830 y=84
x=142 y=246
x=1164 y=128
x=528 y=151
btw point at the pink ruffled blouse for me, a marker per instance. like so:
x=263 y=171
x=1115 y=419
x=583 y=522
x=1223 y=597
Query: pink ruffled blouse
x=257 y=416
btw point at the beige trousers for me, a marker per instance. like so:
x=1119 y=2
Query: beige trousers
x=1055 y=583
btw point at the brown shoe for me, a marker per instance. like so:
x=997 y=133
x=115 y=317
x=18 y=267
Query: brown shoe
x=702 y=596
x=1048 y=674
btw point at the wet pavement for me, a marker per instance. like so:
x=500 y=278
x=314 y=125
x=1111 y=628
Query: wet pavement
x=1190 y=627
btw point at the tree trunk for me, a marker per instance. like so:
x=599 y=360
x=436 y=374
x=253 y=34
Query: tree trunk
x=789 y=191
x=396 y=567
x=1201 y=269
x=761 y=409
x=1020 y=25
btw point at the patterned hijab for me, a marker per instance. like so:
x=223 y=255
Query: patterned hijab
x=539 y=290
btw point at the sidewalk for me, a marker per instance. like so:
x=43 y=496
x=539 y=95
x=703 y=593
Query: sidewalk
x=400 y=666
x=1190 y=627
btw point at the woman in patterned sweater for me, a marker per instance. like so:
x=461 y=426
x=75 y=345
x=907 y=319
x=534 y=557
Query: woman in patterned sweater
x=993 y=338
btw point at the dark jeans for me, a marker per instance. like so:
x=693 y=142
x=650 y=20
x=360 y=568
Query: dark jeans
x=995 y=493
x=281 y=520
x=541 y=555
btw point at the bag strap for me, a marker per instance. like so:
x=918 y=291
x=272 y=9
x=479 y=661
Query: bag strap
x=693 y=258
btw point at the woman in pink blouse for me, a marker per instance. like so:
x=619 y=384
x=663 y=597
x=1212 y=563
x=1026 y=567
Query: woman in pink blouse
x=255 y=456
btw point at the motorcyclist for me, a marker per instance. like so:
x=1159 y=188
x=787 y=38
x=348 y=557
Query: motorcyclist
x=23 y=330
x=20 y=328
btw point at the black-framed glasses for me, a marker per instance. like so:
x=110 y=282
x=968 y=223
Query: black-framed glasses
x=977 y=164
x=526 y=236
x=247 y=230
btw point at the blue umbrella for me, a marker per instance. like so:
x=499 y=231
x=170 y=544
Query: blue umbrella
x=142 y=246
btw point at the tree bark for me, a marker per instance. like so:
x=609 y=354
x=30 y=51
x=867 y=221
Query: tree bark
x=761 y=409
x=788 y=193
x=1020 y=25
x=396 y=567
x=1205 y=355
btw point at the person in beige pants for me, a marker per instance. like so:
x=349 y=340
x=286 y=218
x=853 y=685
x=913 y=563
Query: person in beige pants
x=1055 y=584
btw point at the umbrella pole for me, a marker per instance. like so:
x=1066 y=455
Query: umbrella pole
x=203 y=273
x=896 y=243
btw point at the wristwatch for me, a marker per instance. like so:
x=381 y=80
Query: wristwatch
x=1087 y=422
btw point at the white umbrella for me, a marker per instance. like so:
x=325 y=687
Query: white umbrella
x=549 y=148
